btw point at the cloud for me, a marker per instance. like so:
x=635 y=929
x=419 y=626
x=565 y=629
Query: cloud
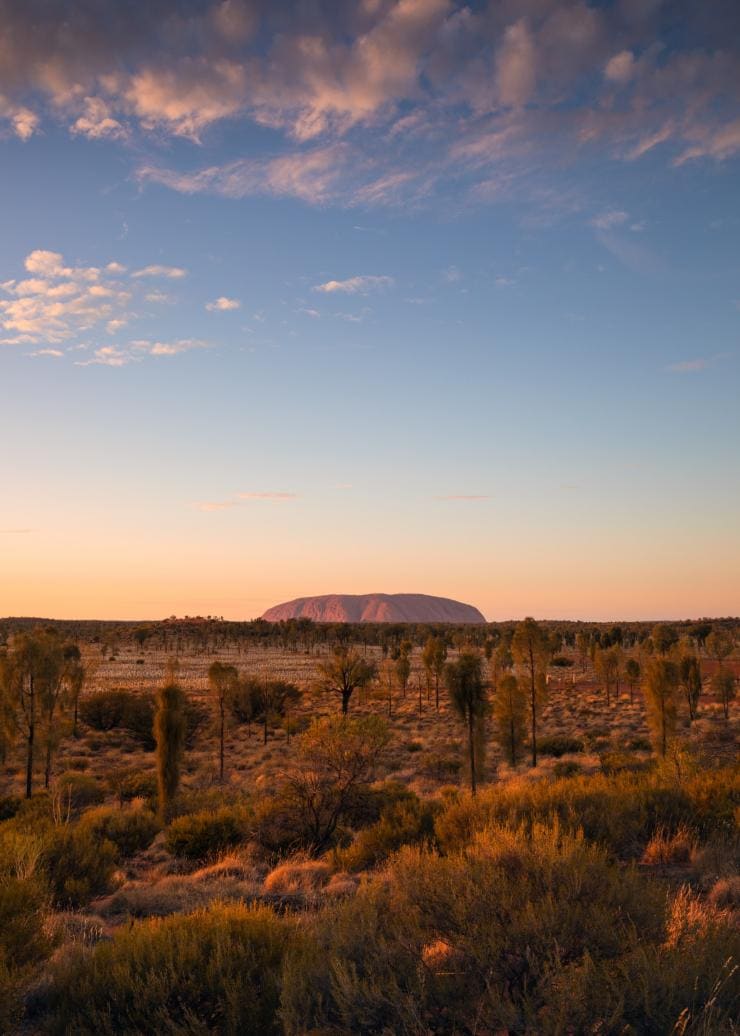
x=384 y=102
x=267 y=496
x=240 y=498
x=688 y=366
x=463 y=496
x=58 y=301
x=620 y=68
x=14 y=532
x=97 y=123
x=139 y=349
x=223 y=304
x=56 y=353
x=609 y=220
x=360 y=285
x=173 y=273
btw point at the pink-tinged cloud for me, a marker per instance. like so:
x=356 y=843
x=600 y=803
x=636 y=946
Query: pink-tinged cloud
x=267 y=496
x=688 y=366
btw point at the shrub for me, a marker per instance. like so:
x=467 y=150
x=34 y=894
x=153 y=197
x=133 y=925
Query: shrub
x=621 y=811
x=79 y=790
x=23 y=941
x=567 y=769
x=198 y=836
x=9 y=806
x=131 y=831
x=216 y=970
x=558 y=744
x=79 y=864
x=104 y=710
x=562 y=662
x=401 y=823
x=468 y=942
x=669 y=849
x=133 y=784
x=440 y=766
x=298 y=877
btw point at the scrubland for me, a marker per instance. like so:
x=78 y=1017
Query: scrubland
x=341 y=878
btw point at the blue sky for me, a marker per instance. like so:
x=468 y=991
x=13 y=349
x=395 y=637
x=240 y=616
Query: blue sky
x=403 y=295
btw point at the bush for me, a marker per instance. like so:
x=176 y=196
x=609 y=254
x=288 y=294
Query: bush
x=79 y=865
x=467 y=942
x=79 y=791
x=562 y=662
x=402 y=823
x=23 y=941
x=131 y=830
x=440 y=766
x=198 y=836
x=567 y=769
x=216 y=971
x=134 y=713
x=133 y=784
x=9 y=806
x=621 y=811
x=559 y=744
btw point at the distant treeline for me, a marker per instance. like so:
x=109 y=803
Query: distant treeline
x=210 y=634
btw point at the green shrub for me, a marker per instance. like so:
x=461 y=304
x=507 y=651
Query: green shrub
x=79 y=790
x=468 y=942
x=24 y=943
x=104 y=710
x=79 y=864
x=198 y=836
x=402 y=823
x=133 y=784
x=131 y=830
x=622 y=811
x=213 y=971
x=559 y=744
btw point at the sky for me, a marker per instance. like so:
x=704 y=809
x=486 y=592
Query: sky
x=379 y=296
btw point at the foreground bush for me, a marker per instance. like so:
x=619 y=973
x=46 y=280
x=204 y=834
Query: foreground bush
x=198 y=836
x=621 y=811
x=407 y=822
x=471 y=942
x=213 y=971
x=79 y=864
x=131 y=831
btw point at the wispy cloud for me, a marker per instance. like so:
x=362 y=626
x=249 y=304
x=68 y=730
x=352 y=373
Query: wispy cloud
x=173 y=273
x=359 y=285
x=223 y=304
x=689 y=366
x=610 y=219
x=56 y=353
x=463 y=496
x=137 y=350
x=239 y=499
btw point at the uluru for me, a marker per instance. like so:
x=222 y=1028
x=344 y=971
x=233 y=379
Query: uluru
x=375 y=608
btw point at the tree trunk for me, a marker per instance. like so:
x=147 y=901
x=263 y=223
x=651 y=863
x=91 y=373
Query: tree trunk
x=221 y=742
x=31 y=737
x=534 y=708
x=471 y=749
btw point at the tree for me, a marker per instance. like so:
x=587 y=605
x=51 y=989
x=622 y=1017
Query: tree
x=661 y=682
x=663 y=638
x=510 y=711
x=724 y=686
x=169 y=734
x=469 y=698
x=335 y=761
x=719 y=646
x=274 y=698
x=632 y=671
x=529 y=648
x=403 y=671
x=434 y=657
x=222 y=682
x=607 y=667
x=344 y=673
x=689 y=671
x=501 y=662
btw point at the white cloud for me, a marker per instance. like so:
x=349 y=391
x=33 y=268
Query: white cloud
x=138 y=349
x=223 y=304
x=171 y=272
x=609 y=220
x=359 y=285
x=97 y=122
